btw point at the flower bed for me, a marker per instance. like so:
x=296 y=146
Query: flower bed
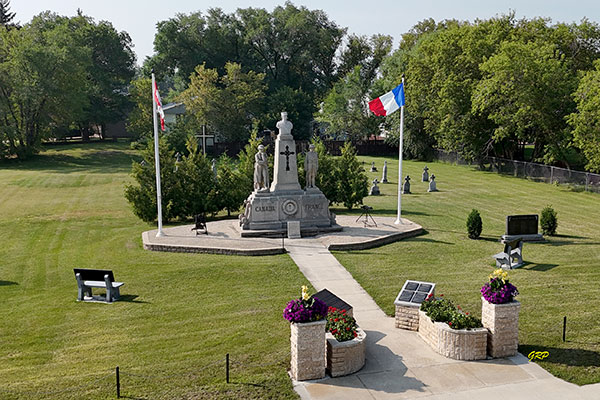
x=346 y=357
x=459 y=344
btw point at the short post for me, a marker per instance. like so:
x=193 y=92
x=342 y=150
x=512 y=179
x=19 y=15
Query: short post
x=587 y=180
x=118 y=383
x=564 y=327
x=227 y=367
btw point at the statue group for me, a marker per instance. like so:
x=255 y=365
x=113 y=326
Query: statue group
x=273 y=204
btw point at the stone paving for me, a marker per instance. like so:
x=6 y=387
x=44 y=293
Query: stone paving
x=399 y=365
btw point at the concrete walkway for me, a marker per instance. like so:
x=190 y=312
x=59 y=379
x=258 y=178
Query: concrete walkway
x=399 y=365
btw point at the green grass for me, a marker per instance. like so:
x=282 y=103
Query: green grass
x=561 y=277
x=181 y=312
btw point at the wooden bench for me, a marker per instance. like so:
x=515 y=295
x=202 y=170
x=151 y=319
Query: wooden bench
x=96 y=278
x=512 y=256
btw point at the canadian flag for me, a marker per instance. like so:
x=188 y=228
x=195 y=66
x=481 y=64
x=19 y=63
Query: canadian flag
x=159 y=107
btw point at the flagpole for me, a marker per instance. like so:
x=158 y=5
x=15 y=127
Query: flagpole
x=398 y=218
x=160 y=232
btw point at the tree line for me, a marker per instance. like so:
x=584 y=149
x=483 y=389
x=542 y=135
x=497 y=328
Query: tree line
x=515 y=88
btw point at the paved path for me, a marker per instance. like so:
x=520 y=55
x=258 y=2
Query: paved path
x=399 y=365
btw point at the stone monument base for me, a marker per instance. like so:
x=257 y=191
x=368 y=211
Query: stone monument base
x=267 y=213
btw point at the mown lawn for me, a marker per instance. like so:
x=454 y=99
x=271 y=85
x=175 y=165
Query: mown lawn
x=181 y=313
x=561 y=277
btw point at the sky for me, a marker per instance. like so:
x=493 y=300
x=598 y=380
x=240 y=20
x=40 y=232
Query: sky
x=390 y=17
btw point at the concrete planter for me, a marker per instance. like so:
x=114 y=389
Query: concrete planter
x=502 y=322
x=347 y=357
x=459 y=344
x=308 y=350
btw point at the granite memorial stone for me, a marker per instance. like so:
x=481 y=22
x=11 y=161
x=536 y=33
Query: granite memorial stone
x=384 y=175
x=432 y=184
x=373 y=167
x=425 y=176
x=374 y=189
x=406 y=186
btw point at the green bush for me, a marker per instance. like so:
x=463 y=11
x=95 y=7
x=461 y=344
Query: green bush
x=352 y=182
x=474 y=224
x=443 y=310
x=549 y=222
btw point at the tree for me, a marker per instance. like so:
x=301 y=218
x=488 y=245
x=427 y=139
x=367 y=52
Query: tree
x=246 y=162
x=586 y=121
x=352 y=182
x=326 y=173
x=227 y=104
x=231 y=189
x=139 y=120
x=6 y=16
x=42 y=82
x=111 y=69
x=526 y=92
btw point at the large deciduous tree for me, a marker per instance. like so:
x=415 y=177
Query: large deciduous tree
x=42 y=83
x=227 y=104
x=586 y=121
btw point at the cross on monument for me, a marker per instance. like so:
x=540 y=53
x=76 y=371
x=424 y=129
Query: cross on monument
x=287 y=153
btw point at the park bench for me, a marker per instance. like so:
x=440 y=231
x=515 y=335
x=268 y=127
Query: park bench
x=512 y=256
x=96 y=278
x=200 y=224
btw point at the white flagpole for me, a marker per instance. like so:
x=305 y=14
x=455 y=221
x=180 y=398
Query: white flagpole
x=398 y=218
x=157 y=162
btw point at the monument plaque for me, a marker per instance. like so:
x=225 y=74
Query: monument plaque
x=522 y=226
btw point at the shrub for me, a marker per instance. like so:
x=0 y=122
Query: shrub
x=474 y=224
x=305 y=309
x=341 y=325
x=549 y=221
x=443 y=310
x=352 y=182
x=498 y=290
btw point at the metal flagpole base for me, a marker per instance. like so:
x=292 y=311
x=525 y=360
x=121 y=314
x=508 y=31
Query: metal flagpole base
x=399 y=222
x=160 y=234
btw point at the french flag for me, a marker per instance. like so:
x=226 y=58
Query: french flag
x=389 y=102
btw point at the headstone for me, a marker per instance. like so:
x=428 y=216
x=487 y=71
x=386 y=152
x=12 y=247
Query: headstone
x=522 y=226
x=293 y=229
x=384 y=175
x=261 y=170
x=214 y=168
x=311 y=165
x=425 y=176
x=432 y=184
x=406 y=186
x=374 y=189
x=373 y=167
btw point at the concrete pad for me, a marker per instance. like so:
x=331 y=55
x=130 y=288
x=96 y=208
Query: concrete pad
x=496 y=372
x=446 y=378
x=342 y=388
x=224 y=237
x=394 y=385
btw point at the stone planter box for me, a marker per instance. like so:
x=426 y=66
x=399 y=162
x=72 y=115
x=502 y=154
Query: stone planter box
x=407 y=317
x=502 y=322
x=308 y=350
x=347 y=357
x=459 y=344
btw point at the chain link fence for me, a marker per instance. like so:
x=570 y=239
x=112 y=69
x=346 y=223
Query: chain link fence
x=578 y=180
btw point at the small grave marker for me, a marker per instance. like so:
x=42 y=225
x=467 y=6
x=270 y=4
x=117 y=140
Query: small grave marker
x=408 y=302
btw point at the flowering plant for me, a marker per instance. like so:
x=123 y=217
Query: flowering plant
x=443 y=310
x=305 y=309
x=498 y=290
x=341 y=325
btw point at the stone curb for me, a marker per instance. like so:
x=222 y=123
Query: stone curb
x=375 y=242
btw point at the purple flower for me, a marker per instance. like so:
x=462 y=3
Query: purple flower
x=299 y=310
x=498 y=294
